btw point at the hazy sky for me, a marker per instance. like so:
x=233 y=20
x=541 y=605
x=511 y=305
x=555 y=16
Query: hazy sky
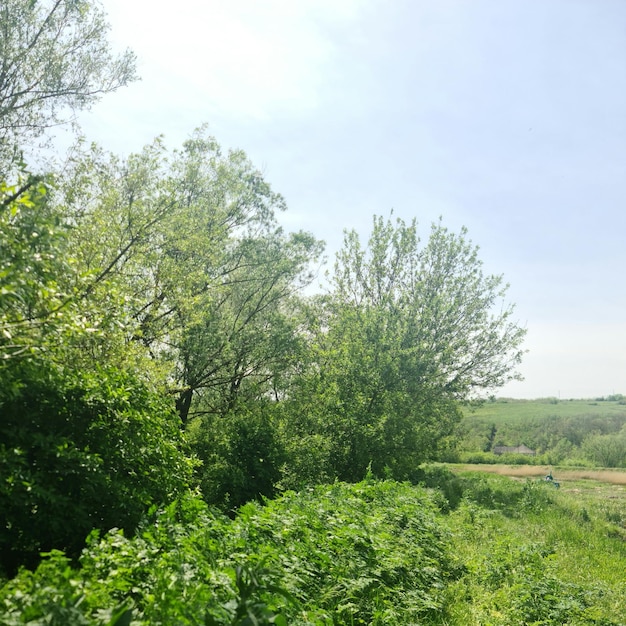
x=504 y=116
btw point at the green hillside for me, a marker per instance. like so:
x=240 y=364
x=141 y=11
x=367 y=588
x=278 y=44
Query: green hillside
x=579 y=432
x=508 y=410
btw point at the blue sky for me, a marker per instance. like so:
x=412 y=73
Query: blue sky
x=504 y=116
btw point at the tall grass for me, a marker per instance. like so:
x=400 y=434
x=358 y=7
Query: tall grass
x=536 y=555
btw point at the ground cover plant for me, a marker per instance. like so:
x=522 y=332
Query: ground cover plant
x=471 y=549
x=538 y=555
x=368 y=553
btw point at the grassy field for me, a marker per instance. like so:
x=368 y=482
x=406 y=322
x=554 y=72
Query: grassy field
x=565 y=475
x=551 y=556
x=561 y=432
x=506 y=410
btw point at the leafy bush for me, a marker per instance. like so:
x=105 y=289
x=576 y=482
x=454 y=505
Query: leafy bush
x=479 y=458
x=606 y=450
x=241 y=455
x=371 y=553
x=450 y=488
x=77 y=452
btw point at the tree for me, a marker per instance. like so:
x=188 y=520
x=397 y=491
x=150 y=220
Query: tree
x=33 y=303
x=50 y=303
x=54 y=61
x=606 y=450
x=406 y=334
x=203 y=275
x=243 y=343
x=242 y=455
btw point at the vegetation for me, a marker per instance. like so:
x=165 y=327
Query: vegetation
x=132 y=287
x=472 y=549
x=54 y=60
x=80 y=451
x=565 y=432
x=187 y=438
x=388 y=363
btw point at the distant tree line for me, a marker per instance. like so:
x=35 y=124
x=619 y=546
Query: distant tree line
x=595 y=439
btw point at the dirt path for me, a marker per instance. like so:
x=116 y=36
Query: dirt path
x=615 y=477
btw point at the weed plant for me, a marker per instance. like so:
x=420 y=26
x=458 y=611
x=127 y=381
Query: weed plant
x=464 y=549
x=534 y=555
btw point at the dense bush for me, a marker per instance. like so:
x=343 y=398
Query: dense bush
x=606 y=450
x=241 y=453
x=371 y=553
x=509 y=458
x=77 y=452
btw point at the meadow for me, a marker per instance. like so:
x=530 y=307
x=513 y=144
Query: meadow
x=510 y=410
x=552 y=556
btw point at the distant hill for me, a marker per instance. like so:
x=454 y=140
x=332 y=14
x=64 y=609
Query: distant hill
x=511 y=410
x=558 y=430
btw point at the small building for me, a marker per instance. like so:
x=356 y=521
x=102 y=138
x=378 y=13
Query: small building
x=513 y=450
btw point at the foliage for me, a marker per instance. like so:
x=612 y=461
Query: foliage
x=80 y=451
x=407 y=332
x=205 y=277
x=55 y=60
x=32 y=259
x=533 y=556
x=242 y=454
x=370 y=553
x=606 y=450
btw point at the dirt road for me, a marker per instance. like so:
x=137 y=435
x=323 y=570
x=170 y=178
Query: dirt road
x=615 y=477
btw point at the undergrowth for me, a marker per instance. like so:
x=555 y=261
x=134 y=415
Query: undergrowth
x=462 y=549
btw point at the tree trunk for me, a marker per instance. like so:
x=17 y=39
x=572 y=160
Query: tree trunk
x=183 y=404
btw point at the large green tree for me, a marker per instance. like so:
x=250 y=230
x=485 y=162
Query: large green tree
x=185 y=251
x=407 y=332
x=54 y=60
x=80 y=447
x=35 y=308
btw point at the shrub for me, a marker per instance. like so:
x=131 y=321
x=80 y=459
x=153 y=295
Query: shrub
x=242 y=455
x=370 y=553
x=450 y=488
x=77 y=452
x=606 y=450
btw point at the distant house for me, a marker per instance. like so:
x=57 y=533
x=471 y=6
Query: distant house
x=512 y=449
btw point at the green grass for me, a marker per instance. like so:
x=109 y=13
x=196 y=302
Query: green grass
x=506 y=410
x=544 y=557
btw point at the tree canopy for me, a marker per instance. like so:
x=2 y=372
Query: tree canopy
x=186 y=249
x=54 y=60
x=407 y=331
